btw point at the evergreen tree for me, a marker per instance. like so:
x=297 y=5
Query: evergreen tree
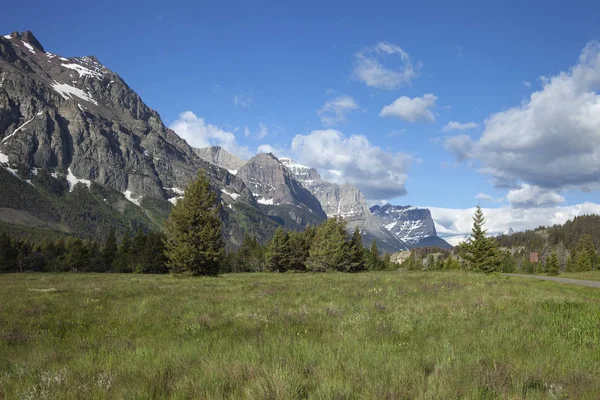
x=552 y=266
x=329 y=249
x=122 y=261
x=508 y=263
x=138 y=248
x=356 y=252
x=109 y=251
x=194 y=230
x=297 y=248
x=276 y=257
x=153 y=255
x=373 y=260
x=587 y=256
x=480 y=252
x=77 y=256
x=572 y=262
x=8 y=254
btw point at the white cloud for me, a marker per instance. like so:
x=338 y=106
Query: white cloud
x=551 y=140
x=533 y=196
x=242 y=100
x=267 y=148
x=457 y=126
x=246 y=131
x=527 y=83
x=487 y=197
x=451 y=222
x=377 y=173
x=411 y=110
x=334 y=111
x=370 y=69
x=263 y=131
x=198 y=133
x=460 y=146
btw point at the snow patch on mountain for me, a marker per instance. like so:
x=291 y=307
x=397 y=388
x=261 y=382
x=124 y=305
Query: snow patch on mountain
x=83 y=71
x=67 y=92
x=73 y=180
x=230 y=194
x=129 y=196
x=29 y=47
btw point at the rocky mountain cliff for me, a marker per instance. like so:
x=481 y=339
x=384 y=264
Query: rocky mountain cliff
x=220 y=157
x=412 y=225
x=276 y=188
x=75 y=119
x=345 y=201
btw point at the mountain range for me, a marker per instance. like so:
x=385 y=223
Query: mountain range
x=82 y=153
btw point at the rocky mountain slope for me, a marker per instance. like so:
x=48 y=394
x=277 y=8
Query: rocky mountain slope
x=345 y=201
x=77 y=121
x=220 y=157
x=412 y=225
x=280 y=193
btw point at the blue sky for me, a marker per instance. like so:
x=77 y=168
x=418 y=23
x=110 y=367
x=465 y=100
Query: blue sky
x=274 y=65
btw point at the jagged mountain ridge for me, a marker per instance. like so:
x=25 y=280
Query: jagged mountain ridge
x=413 y=225
x=77 y=119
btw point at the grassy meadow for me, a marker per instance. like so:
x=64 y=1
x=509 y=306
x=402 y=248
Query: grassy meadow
x=381 y=335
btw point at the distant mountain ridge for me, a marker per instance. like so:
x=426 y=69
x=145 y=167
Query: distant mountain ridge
x=412 y=225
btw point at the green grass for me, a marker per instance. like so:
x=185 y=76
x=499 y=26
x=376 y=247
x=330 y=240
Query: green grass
x=446 y=335
x=587 y=275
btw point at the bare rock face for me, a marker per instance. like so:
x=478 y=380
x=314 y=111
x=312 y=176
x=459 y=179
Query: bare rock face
x=76 y=118
x=274 y=186
x=412 y=225
x=347 y=202
x=220 y=157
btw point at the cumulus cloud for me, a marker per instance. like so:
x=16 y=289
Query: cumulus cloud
x=267 y=148
x=411 y=110
x=457 y=126
x=398 y=69
x=460 y=146
x=198 y=133
x=379 y=174
x=452 y=224
x=334 y=111
x=533 y=196
x=551 y=140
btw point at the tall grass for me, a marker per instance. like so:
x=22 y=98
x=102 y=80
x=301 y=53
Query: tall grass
x=285 y=336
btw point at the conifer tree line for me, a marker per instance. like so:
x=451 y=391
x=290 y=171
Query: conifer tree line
x=143 y=253
x=484 y=254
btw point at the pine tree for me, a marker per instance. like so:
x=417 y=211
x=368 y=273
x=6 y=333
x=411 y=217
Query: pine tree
x=8 y=254
x=329 y=249
x=552 y=266
x=109 y=251
x=297 y=248
x=194 y=230
x=122 y=261
x=587 y=256
x=276 y=257
x=480 y=252
x=138 y=247
x=153 y=256
x=572 y=261
x=373 y=261
x=356 y=252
